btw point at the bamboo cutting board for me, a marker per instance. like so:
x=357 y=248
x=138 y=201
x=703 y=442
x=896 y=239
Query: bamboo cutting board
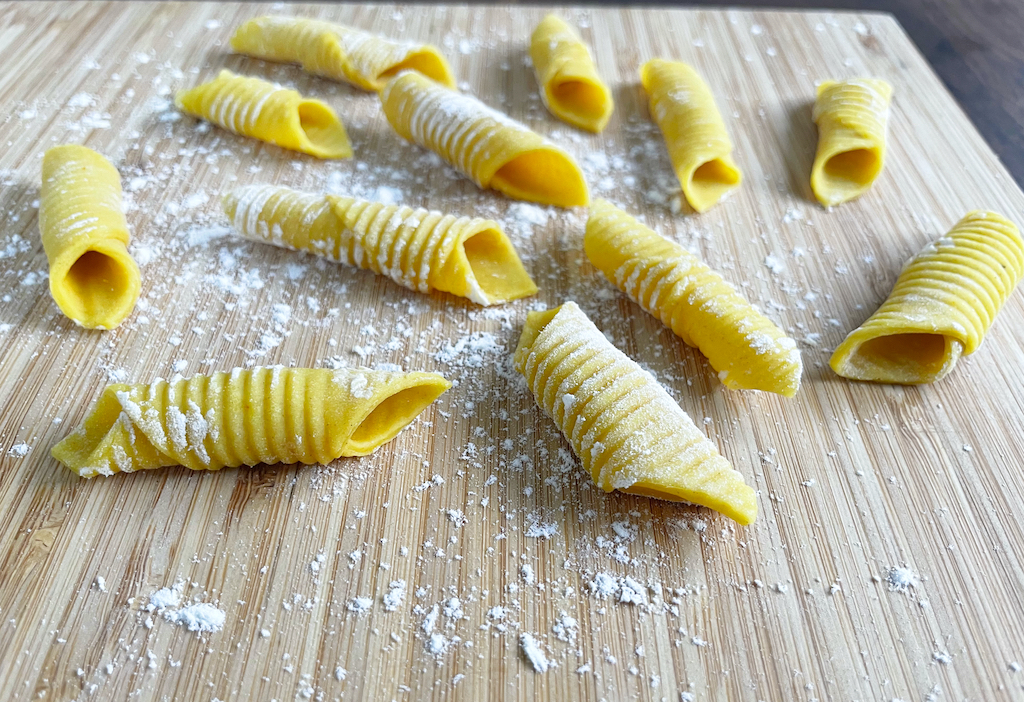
x=886 y=560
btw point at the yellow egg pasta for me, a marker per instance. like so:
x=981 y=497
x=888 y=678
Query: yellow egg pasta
x=418 y=249
x=698 y=144
x=570 y=86
x=851 y=116
x=93 y=278
x=338 y=52
x=746 y=349
x=261 y=110
x=627 y=431
x=490 y=148
x=944 y=301
x=246 y=417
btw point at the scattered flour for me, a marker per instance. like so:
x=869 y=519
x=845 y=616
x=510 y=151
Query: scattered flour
x=531 y=648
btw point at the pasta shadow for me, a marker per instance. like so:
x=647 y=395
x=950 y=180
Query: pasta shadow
x=802 y=137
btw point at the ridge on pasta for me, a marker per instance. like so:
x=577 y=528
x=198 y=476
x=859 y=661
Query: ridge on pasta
x=570 y=86
x=256 y=108
x=940 y=308
x=419 y=249
x=335 y=51
x=851 y=116
x=627 y=431
x=246 y=417
x=93 y=278
x=698 y=144
x=490 y=148
x=746 y=348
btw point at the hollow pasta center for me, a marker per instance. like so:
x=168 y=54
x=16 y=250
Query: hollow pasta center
x=495 y=266
x=543 y=176
x=424 y=62
x=322 y=127
x=853 y=169
x=910 y=357
x=98 y=283
x=580 y=96
x=712 y=180
x=388 y=418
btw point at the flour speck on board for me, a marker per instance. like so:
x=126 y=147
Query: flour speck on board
x=19 y=450
x=901 y=579
x=531 y=648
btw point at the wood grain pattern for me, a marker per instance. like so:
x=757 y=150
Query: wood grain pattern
x=853 y=479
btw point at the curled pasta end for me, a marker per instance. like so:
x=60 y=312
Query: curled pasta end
x=546 y=175
x=426 y=60
x=845 y=174
x=907 y=358
x=485 y=268
x=392 y=412
x=324 y=134
x=98 y=287
x=582 y=101
x=709 y=182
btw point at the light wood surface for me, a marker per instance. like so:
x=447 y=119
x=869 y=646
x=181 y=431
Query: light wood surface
x=853 y=479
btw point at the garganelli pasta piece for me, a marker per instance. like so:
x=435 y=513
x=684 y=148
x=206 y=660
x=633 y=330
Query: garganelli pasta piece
x=246 y=417
x=417 y=248
x=944 y=301
x=492 y=149
x=746 y=349
x=698 y=143
x=93 y=278
x=851 y=116
x=569 y=83
x=338 y=52
x=628 y=432
x=265 y=111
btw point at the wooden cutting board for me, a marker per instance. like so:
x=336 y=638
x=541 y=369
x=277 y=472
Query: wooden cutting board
x=886 y=560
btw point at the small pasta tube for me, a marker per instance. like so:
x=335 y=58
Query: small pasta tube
x=93 y=278
x=418 y=249
x=488 y=147
x=246 y=417
x=628 y=432
x=255 y=108
x=943 y=302
x=746 y=348
x=851 y=116
x=570 y=86
x=338 y=52
x=698 y=144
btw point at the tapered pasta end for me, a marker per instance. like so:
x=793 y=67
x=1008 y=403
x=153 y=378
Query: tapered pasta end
x=582 y=101
x=484 y=267
x=535 y=323
x=100 y=446
x=546 y=175
x=846 y=174
x=98 y=287
x=325 y=135
x=725 y=493
x=426 y=60
x=392 y=409
x=911 y=358
x=709 y=182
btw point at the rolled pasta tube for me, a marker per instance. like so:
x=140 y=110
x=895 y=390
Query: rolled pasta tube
x=338 y=52
x=851 y=116
x=490 y=148
x=698 y=144
x=417 y=248
x=570 y=86
x=246 y=417
x=943 y=302
x=93 y=278
x=747 y=349
x=256 y=108
x=627 y=431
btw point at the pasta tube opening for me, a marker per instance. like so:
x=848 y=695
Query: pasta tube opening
x=323 y=130
x=586 y=101
x=392 y=415
x=848 y=173
x=710 y=182
x=495 y=267
x=99 y=289
x=912 y=358
x=545 y=176
x=425 y=61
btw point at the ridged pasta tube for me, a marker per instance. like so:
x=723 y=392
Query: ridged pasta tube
x=746 y=349
x=570 y=86
x=628 y=432
x=851 y=116
x=698 y=144
x=338 y=52
x=943 y=302
x=246 y=417
x=417 y=248
x=93 y=278
x=490 y=148
x=265 y=111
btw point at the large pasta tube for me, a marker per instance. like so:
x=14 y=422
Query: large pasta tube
x=570 y=86
x=246 y=417
x=485 y=145
x=851 y=116
x=944 y=301
x=255 y=108
x=628 y=432
x=698 y=143
x=746 y=349
x=418 y=249
x=93 y=278
x=338 y=52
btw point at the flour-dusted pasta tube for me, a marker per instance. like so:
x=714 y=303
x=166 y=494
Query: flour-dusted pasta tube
x=698 y=143
x=490 y=148
x=93 y=278
x=246 y=417
x=944 y=301
x=265 y=111
x=570 y=86
x=746 y=349
x=628 y=432
x=338 y=52
x=851 y=116
x=417 y=248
